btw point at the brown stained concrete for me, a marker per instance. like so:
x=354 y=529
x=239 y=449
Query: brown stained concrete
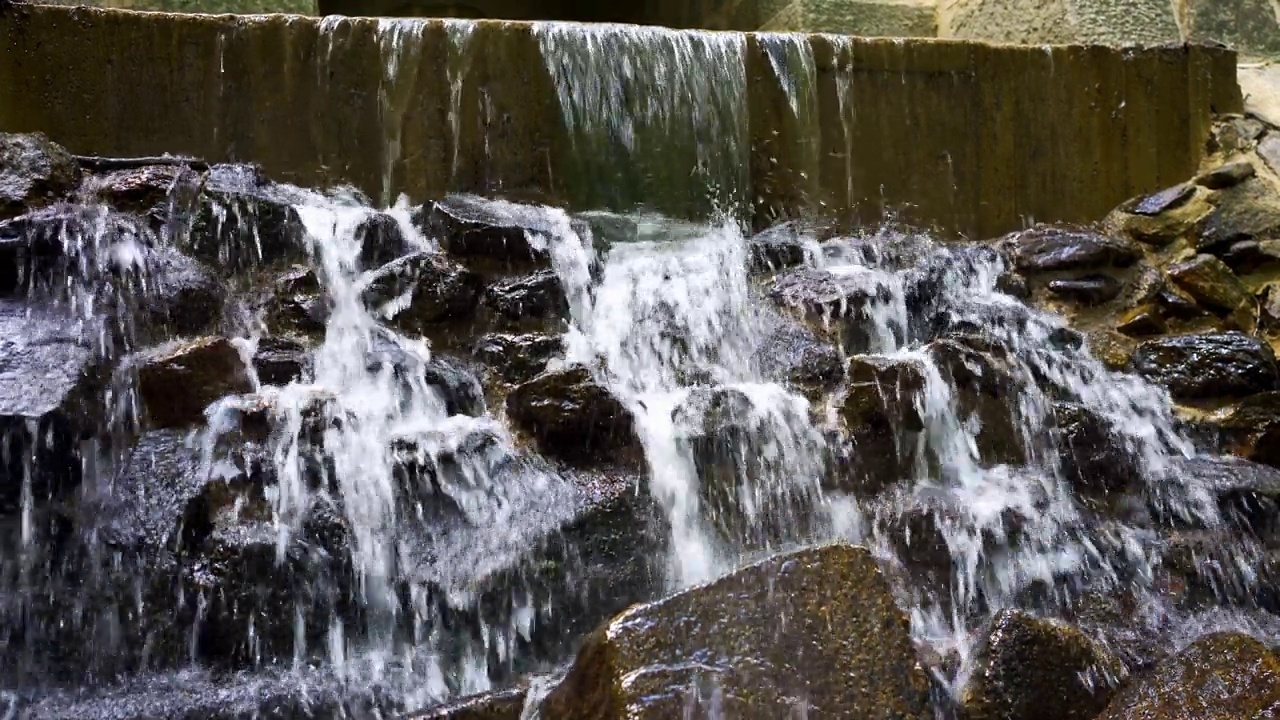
x=975 y=138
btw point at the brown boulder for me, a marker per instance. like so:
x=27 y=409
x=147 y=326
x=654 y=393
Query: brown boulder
x=1212 y=365
x=1210 y=282
x=1029 y=668
x=422 y=289
x=1227 y=175
x=1245 y=212
x=176 y=382
x=573 y=418
x=814 y=632
x=1050 y=249
x=33 y=172
x=1224 y=676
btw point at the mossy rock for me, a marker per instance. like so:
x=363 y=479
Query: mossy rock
x=1034 y=669
x=1224 y=676
x=814 y=631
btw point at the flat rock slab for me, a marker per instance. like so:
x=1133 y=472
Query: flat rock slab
x=812 y=633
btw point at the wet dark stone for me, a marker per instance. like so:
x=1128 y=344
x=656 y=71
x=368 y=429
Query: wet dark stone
x=143 y=189
x=879 y=409
x=280 y=360
x=46 y=395
x=64 y=248
x=722 y=431
x=177 y=381
x=438 y=289
x=242 y=221
x=381 y=241
x=490 y=234
x=1245 y=212
x=456 y=385
x=1247 y=492
x=1214 y=365
x=769 y=627
x=1091 y=290
x=1175 y=303
x=1210 y=282
x=33 y=172
x=1161 y=202
x=518 y=358
x=1249 y=256
x=832 y=305
x=777 y=248
x=1142 y=321
x=297 y=303
x=571 y=417
x=1224 y=675
x=1226 y=176
x=535 y=297
x=1051 y=249
x=182 y=296
x=1033 y=669
x=1091 y=451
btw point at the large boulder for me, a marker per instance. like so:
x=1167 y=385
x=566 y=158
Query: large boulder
x=879 y=411
x=538 y=298
x=814 y=632
x=1091 y=450
x=1210 y=282
x=1044 y=249
x=1213 y=365
x=1029 y=668
x=421 y=290
x=297 y=303
x=492 y=235
x=242 y=221
x=180 y=295
x=570 y=416
x=517 y=359
x=757 y=481
x=46 y=393
x=179 y=380
x=33 y=172
x=1220 y=676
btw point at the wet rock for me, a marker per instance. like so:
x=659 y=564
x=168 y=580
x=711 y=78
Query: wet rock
x=422 y=289
x=1113 y=349
x=980 y=372
x=752 y=644
x=1234 y=134
x=381 y=241
x=33 y=172
x=1089 y=290
x=1245 y=212
x=242 y=221
x=777 y=248
x=518 y=358
x=571 y=417
x=1049 y=249
x=738 y=445
x=46 y=392
x=879 y=407
x=1176 y=304
x=182 y=296
x=1034 y=669
x=453 y=383
x=281 y=360
x=1142 y=321
x=1252 y=429
x=1212 y=568
x=1226 y=176
x=297 y=303
x=1224 y=675
x=1092 y=454
x=1246 y=492
x=492 y=234
x=62 y=249
x=1214 y=365
x=834 y=305
x=505 y=705
x=1249 y=256
x=1161 y=202
x=536 y=297
x=1210 y=282
x=819 y=369
x=144 y=189
x=177 y=381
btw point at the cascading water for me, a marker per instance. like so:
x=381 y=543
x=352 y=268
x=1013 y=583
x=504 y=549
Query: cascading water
x=370 y=536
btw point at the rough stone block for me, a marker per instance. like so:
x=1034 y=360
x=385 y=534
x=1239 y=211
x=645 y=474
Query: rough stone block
x=1108 y=22
x=1250 y=26
x=870 y=18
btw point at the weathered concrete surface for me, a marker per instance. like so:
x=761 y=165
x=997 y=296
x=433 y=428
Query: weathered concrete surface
x=1260 y=87
x=1250 y=26
x=976 y=138
x=869 y=18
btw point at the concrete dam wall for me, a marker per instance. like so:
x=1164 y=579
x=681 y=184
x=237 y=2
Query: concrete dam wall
x=972 y=137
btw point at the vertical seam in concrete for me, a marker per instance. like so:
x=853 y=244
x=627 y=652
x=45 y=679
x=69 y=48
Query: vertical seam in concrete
x=1180 y=18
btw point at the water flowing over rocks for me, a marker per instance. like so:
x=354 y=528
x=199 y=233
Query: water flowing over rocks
x=33 y=172
x=272 y=452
